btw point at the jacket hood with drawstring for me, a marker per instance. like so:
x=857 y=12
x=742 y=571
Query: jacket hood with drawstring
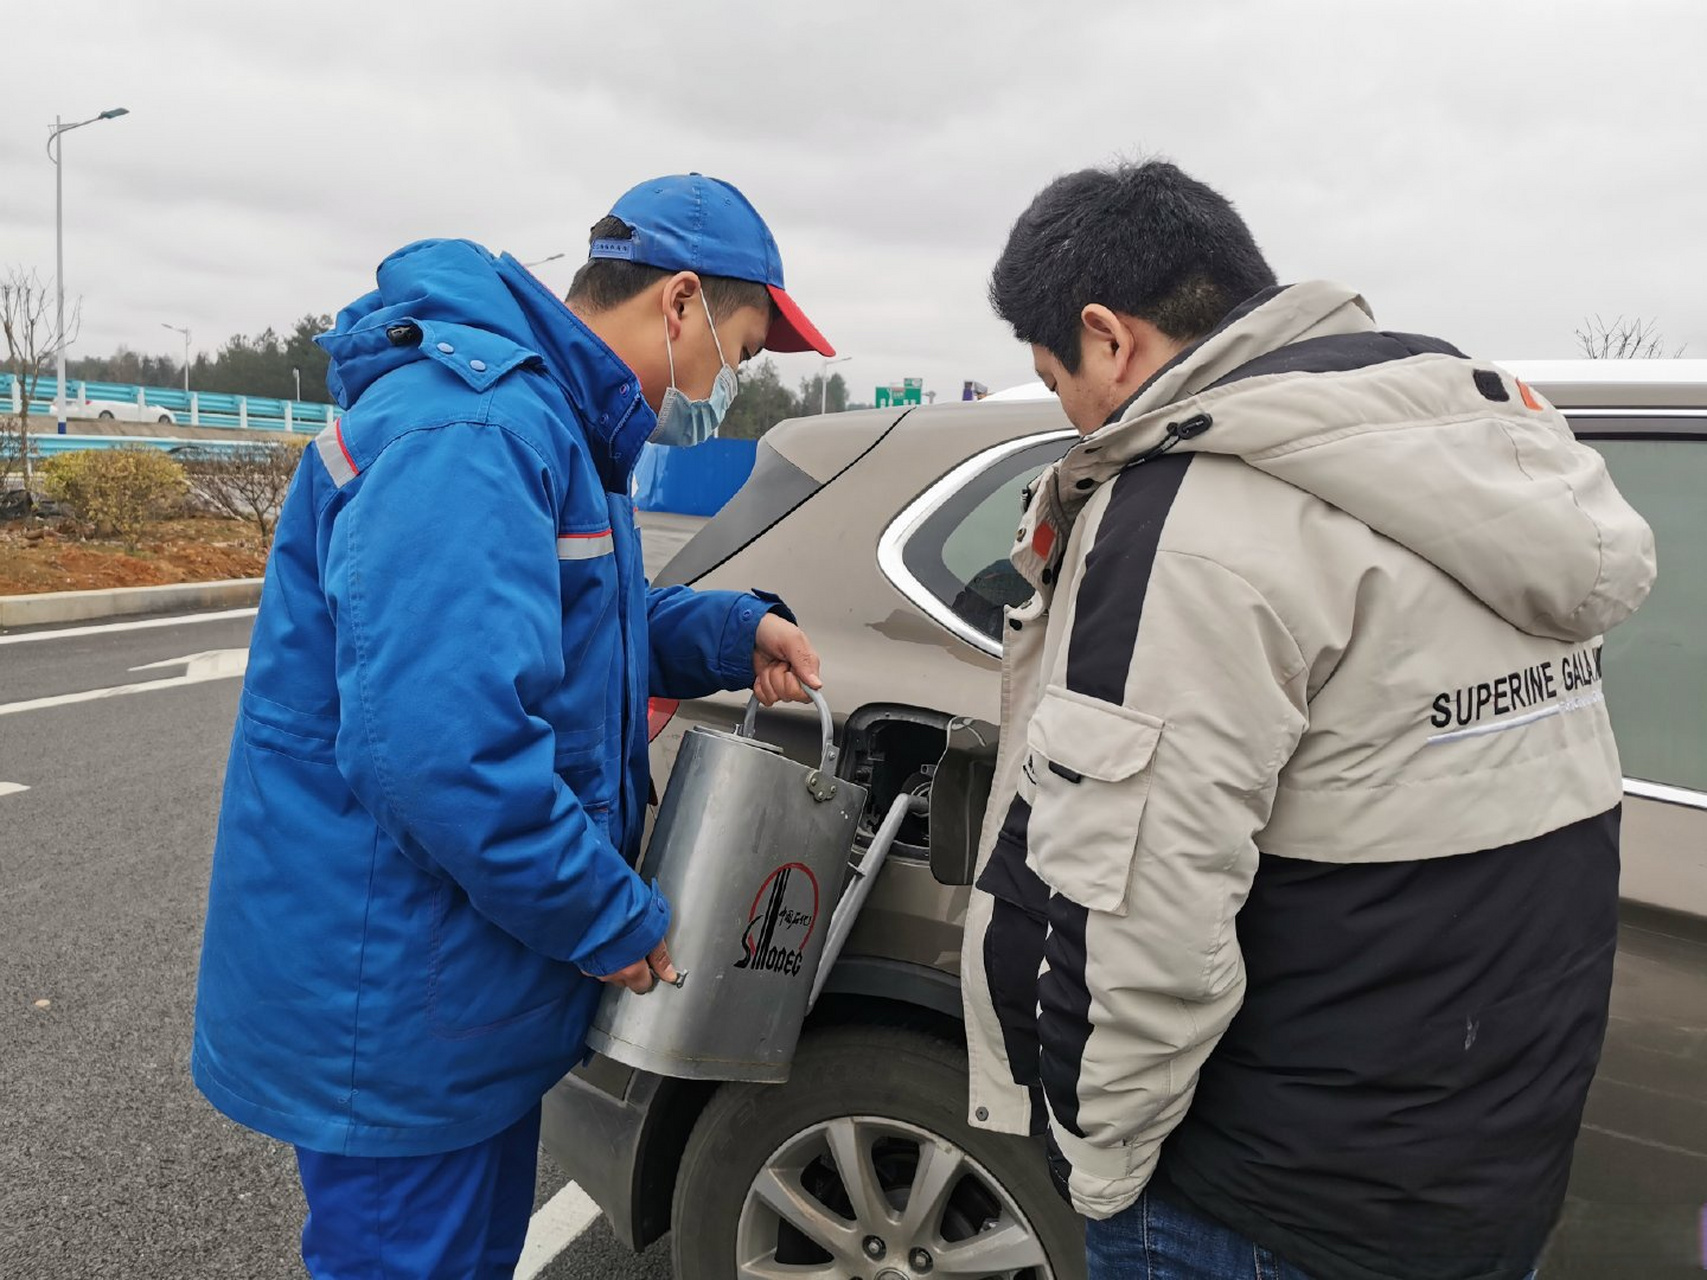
x=482 y=316
x=1447 y=457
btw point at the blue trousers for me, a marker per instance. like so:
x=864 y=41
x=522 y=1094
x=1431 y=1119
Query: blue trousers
x=462 y=1215
x=1164 y=1240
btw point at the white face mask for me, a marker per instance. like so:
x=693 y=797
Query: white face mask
x=682 y=422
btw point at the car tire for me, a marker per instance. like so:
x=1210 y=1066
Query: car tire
x=105 y=415
x=164 y=419
x=862 y=1079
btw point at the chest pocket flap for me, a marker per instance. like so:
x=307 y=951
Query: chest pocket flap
x=1089 y=763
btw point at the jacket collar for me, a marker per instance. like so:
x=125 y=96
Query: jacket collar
x=1268 y=321
x=481 y=317
x=602 y=389
x=1272 y=319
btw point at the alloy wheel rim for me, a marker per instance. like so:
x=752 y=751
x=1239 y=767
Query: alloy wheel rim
x=880 y=1199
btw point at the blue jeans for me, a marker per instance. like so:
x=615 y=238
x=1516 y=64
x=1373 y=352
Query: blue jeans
x=1160 y=1239
x=462 y=1215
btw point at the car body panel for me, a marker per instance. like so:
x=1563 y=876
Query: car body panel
x=836 y=442
x=1676 y=881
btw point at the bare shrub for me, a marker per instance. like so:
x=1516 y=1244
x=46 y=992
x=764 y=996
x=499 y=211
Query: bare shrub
x=115 y=491
x=1623 y=339
x=246 y=483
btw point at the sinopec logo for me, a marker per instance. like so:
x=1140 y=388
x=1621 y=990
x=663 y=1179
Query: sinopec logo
x=780 y=923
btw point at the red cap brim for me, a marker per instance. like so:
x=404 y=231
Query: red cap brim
x=791 y=330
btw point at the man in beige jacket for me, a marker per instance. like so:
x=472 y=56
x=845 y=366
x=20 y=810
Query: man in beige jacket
x=1298 y=889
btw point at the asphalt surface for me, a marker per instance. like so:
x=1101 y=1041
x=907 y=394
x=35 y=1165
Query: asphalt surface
x=111 y=1164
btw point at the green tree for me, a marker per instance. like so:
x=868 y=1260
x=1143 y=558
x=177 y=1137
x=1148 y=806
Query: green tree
x=243 y=365
x=814 y=393
x=763 y=403
x=308 y=357
x=247 y=366
x=125 y=365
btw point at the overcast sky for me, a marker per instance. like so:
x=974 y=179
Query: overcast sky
x=1490 y=171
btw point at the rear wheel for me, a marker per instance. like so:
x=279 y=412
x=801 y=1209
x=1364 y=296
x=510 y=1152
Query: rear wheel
x=863 y=1165
x=164 y=418
x=105 y=415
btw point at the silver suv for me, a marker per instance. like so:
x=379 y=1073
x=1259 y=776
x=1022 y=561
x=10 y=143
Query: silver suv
x=889 y=535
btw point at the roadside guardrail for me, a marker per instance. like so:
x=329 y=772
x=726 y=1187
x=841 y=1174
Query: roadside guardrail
x=193 y=408
x=50 y=445
x=695 y=481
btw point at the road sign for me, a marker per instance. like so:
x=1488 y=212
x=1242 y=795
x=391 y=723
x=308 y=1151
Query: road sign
x=896 y=394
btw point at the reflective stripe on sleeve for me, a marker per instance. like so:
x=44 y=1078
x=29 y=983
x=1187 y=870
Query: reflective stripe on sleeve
x=585 y=546
x=339 y=465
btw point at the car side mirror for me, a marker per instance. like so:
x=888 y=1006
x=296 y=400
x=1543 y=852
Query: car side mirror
x=959 y=795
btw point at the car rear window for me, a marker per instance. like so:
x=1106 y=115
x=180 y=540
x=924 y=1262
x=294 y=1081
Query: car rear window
x=960 y=553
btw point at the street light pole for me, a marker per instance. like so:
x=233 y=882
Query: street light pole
x=297 y=374
x=59 y=277
x=824 y=384
x=55 y=149
x=186 y=332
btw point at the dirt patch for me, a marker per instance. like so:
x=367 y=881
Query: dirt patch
x=197 y=549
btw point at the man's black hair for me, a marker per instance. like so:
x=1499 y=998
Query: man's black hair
x=1144 y=240
x=603 y=283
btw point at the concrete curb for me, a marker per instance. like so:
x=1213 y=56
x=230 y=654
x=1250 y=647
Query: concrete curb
x=51 y=607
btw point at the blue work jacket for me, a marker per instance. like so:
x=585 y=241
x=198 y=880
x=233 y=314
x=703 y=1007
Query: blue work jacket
x=437 y=782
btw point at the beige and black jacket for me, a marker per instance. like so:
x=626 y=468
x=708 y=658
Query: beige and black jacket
x=1298 y=886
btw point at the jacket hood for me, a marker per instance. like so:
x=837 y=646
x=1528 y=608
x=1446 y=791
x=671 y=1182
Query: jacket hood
x=481 y=315
x=431 y=284
x=1452 y=458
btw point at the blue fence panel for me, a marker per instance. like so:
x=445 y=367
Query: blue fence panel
x=696 y=481
x=212 y=408
x=49 y=446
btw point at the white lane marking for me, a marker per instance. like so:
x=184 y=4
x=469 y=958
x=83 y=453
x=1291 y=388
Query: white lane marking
x=216 y=664
x=558 y=1224
x=11 y=788
x=68 y=633
x=211 y=664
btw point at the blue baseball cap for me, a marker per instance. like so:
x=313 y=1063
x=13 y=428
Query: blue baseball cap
x=688 y=222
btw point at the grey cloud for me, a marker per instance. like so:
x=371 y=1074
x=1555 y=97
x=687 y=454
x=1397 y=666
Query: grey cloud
x=1489 y=172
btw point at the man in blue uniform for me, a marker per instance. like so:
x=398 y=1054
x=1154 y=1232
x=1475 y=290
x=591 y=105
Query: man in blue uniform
x=438 y=776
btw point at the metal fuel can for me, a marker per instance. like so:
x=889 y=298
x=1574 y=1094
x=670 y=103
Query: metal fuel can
x=750 y=849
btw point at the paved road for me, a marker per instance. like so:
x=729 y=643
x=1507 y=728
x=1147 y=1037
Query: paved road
x=112 y=1166
x=110 y=1162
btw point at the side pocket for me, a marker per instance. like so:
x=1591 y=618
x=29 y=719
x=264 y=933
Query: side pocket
x=480 y=979
x=1090 y=764
x=576 y=747
x=580 y=762
x=285 y=732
